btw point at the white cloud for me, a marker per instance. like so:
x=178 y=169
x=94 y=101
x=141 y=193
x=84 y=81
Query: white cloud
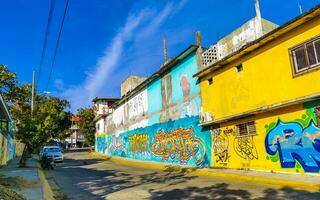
x=82 y=94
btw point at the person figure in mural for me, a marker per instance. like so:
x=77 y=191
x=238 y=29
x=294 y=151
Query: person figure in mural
x=189 y=106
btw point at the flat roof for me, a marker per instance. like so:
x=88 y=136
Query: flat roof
x=269 y=37
x=105 y=99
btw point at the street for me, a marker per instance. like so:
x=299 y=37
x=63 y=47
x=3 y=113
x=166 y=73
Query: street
x=82 y=176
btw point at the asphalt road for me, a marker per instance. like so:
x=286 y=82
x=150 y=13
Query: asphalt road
x=84 y=177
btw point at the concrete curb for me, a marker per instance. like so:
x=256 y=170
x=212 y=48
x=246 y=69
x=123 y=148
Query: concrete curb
x=47 y=191
x=51 y=191
x=46 y=188
x=206 y=172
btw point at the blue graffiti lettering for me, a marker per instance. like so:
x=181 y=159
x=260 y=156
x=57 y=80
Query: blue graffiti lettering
x=295 y=143
x=102 y=144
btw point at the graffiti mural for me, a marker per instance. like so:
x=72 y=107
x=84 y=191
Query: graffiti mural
x=220 y=147
x=117 y=146
x=245 y=147
x=101 y=143
x=180 y=144
x=181 y=141
x=138 y=142
x=295 y=143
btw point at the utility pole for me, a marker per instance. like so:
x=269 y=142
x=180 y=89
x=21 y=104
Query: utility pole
x=33 y=92
x=258 y=16
x=165 y=50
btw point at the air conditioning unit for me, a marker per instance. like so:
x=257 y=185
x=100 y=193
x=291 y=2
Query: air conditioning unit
x=205 y=117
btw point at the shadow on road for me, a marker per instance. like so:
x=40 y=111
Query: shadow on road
x=86 y=179
x=221 y=191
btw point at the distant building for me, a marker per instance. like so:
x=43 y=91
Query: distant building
x=7 y=143
x=130 y=83
x=103 y=107
x=76 y=139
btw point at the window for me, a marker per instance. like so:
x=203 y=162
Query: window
x=239 y=68
x=210 y=81
x=244 y=129
x=306 y=56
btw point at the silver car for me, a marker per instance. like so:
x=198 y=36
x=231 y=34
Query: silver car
x=53 y=152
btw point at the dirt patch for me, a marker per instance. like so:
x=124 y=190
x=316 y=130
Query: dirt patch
x=16 y=182
x=7 y=194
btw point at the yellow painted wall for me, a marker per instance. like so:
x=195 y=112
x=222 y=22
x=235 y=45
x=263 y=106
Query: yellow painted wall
x=266 y=77
x=3 y=150
x=230 y=151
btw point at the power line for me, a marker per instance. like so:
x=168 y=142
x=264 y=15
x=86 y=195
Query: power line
x=45 y=41
x=57 y=43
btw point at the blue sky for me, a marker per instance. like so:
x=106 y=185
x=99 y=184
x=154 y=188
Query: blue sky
x=104 y=41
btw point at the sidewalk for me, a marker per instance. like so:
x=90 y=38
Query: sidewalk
x=24 y=181
x=299 y=181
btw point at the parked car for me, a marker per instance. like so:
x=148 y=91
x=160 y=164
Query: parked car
x=53 y=152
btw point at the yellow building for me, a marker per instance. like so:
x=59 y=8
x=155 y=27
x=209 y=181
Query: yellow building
x=264 y=100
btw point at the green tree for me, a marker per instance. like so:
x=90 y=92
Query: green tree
x=49 y=119
x=87 y=124
x=8 y=83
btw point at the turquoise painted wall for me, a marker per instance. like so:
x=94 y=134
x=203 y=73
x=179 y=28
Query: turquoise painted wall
x=172 y=134
x=181 y=142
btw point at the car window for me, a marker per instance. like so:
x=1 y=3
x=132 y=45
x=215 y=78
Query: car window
x=54 y=150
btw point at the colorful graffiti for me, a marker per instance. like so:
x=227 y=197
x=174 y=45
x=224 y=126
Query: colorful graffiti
x=245 y=147
x=295 y=143
x=179 y=144
x=101 y=143
x=117 y=146
x=139 y=142
x=181 y=141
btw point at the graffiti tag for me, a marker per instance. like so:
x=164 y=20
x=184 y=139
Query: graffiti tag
x=220 y=147
x=101 y=144
x=117 y=145
x=138 y=142
x=245 y=147
x=179 y=145
x=295 y=143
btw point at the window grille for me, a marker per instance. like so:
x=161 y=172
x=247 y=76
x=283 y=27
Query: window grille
x=306 y=56
x=245 y=129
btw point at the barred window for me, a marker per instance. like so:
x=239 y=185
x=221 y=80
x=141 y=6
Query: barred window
x=244 y=129
x=306 y=56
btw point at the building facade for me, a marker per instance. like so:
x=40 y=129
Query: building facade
x=7 y=142
x=158 y=120
x=265 y=101
x=76 y=139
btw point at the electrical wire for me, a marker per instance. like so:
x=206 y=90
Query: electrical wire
x=57 y=44
x=45 y=41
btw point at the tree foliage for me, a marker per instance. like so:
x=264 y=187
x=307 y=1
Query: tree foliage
x=48 y=120
x=87 y=124
x=8 y=83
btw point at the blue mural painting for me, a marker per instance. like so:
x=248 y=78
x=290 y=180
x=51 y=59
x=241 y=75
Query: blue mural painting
x=171 y=133
x=11 y=148
x=101 y=143
x=295 y=144
x=175 y=95
x=181 y=142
